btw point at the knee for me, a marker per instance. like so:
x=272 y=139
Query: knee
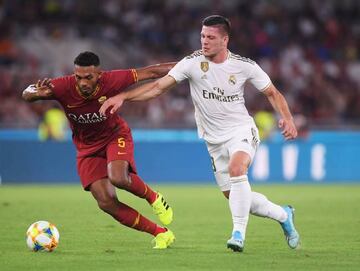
x=238 y=170
x=119 y=179
x=107 y=205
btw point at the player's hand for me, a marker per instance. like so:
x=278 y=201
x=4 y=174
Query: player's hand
x=114 y=103
x=44 y=87
x=289 y=130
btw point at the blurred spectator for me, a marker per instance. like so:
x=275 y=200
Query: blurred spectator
x=53 y=126
x=266 y=124
x=310 y=48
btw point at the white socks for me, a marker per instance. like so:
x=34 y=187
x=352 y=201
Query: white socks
x=242 y=201
x=261 y=206
x=240 y=198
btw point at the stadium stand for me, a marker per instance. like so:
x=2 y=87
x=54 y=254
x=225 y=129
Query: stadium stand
x=309 y=48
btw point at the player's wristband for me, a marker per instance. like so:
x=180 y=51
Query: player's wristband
x=31 y=89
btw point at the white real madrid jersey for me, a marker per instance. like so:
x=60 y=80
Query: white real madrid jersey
x=217 y=91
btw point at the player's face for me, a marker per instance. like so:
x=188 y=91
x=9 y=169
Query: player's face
x=87 y=78
x=213 y=41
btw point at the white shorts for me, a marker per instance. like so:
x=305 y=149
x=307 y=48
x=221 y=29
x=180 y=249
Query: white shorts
x=246 y=140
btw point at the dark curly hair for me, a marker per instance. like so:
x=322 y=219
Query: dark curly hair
x=87 y=58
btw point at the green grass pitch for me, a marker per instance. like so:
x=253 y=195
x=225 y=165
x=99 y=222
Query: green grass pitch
x=327 y=217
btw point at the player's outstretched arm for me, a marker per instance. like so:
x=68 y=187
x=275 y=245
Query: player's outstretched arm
x=286 y=123
x=141 y=93
x=154 y=71
x=42 y=90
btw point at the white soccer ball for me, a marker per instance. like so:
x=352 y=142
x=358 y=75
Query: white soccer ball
x=42 y=236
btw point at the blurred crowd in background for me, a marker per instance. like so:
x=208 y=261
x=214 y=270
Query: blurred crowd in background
x=309 y=48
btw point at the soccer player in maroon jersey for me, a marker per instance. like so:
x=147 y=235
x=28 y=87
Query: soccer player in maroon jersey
x=105 y=148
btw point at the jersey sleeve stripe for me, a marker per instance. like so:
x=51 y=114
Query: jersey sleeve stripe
x=135 y=76
x=241 y=58
x=195 y=54
x=264 y=88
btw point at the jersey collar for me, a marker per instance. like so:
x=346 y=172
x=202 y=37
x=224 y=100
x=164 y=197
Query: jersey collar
x=97 y=88
x=226 y=59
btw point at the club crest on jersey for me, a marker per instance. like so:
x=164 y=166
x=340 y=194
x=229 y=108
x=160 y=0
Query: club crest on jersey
x=102 y=99
x=232 y=80
x=204 y=66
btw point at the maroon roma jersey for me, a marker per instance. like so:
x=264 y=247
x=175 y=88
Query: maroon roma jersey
x=91 y=131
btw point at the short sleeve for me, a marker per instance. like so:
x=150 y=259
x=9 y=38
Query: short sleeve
x=180 y=71
x=118 y=80
x=61 y=85
x=258 y=78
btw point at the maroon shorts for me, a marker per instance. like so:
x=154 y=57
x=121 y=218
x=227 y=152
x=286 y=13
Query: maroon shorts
x=94 y=167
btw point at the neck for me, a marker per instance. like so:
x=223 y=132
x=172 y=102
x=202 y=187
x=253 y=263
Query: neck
x=219 y=57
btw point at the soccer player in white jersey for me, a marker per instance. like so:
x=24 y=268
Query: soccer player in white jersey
x=217 y=78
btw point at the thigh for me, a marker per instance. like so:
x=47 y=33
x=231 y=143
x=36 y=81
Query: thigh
x=246 y=141
x=122 y=148
x=220 y=161
x=239 y=163
x=91 y=169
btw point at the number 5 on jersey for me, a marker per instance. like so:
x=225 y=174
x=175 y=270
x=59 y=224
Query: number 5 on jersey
x=121 y=145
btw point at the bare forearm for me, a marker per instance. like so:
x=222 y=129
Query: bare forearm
x=286 y=122
x=280 y=105
x=150 y=90
x=42 y=90
x=154 y=71
x=30 y=94
x=159 y=70
x=278 y=102
x=143 y=93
